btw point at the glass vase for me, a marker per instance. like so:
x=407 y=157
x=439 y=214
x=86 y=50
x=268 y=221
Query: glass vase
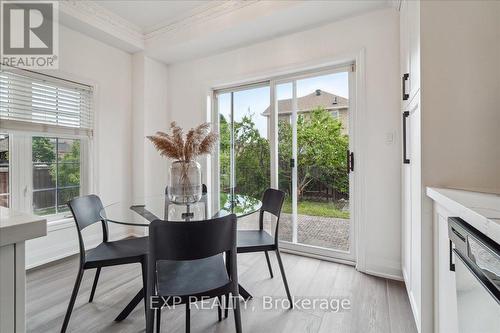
x=185 y=182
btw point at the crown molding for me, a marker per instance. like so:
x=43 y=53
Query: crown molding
x=101 y=18
x=98 y=17
x=199 y=15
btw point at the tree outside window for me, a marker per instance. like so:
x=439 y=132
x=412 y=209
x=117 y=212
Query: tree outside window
x=56 y=173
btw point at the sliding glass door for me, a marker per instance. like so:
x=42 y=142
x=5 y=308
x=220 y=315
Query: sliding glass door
x=244 y=152
x=313 y=115
x=293 y=133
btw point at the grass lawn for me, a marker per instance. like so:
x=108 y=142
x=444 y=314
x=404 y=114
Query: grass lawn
x=313 y=208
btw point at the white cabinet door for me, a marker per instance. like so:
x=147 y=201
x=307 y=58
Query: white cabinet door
x=406 y=201
x=404 y=45
x=409 y=39
x=413 y=18
x=446 y=318
x=416 y=193
x=406 y=226
x=411 y=237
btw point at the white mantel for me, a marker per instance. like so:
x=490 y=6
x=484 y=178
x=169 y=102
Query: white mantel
x=15 y=229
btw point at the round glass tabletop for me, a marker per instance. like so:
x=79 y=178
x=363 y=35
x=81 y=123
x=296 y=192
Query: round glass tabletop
x=142 y=211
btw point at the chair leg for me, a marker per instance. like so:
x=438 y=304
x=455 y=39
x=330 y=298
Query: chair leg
x=72 y=300
x=158 y=320
x=226 y=306
x=188 y=318
x=237 y=313
x=280 y=263
x=269 y=264
x=94 y=286
x=219 y=308
x=149 y=315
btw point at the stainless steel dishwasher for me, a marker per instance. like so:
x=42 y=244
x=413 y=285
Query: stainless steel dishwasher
x=477 y=266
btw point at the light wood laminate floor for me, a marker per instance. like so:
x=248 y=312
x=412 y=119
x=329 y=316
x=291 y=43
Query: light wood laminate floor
x=376 y=304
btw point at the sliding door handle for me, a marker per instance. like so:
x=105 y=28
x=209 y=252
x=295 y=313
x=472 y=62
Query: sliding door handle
x=406 y=160
x=405 y=78
x=350 y=161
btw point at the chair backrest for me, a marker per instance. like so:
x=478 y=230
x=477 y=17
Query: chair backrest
x=191 y=240
x=272 y=202
x=86 y=211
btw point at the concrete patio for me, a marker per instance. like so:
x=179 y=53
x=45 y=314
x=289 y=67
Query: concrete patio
x=327 y=232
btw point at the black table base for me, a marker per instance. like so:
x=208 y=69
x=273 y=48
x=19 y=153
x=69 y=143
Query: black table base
x=131 y=305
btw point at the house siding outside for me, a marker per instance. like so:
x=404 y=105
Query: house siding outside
x=338 y=107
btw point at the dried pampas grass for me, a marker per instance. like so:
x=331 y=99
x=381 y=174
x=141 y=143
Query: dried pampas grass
x=199 y=141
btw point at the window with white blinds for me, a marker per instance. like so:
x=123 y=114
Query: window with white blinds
x=37 y=102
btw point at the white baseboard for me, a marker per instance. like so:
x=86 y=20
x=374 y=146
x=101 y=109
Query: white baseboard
x=390 y=276
x=317 y=256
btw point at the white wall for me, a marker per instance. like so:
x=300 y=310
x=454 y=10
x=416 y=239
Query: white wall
x=149 y=97
x=460 y=86
x=86 y=60
x=461 y=94
x=378 y=34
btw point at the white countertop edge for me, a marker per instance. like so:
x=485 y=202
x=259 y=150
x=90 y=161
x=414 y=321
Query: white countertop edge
x=489 y=227
x=18 y=227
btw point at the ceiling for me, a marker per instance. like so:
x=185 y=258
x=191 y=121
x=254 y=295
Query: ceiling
x=148 y=15
x=172 y=30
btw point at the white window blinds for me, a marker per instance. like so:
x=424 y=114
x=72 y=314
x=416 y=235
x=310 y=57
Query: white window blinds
x=42 y=103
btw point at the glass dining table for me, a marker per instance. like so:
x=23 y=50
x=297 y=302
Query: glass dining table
x=141 y=211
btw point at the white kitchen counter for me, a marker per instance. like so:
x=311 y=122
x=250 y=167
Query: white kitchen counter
x=480 y=210
x=15 y=229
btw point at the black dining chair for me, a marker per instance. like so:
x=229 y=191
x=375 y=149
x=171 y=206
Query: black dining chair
x=192 y=261
x=250 y=241
x=86 y=211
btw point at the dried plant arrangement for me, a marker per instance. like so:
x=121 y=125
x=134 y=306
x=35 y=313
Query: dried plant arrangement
x=197 y=142
x=185 y=173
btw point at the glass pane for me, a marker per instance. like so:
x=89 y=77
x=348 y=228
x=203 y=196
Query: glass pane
x=4 y=170
x=224 y=108
x=64 y=195
x=44 y=176
x=284 y=98
x=43 y=152
x=56 y=173
x=44 y=202
x=68 y=162
x=322 y=177
x=251 y=143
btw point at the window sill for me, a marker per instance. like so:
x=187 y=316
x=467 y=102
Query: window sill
x=62 y=223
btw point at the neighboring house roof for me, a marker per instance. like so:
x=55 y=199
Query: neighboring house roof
x=307 y=103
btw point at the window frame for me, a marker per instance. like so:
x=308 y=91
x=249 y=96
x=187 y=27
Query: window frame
x=20 y=145
x=9 y=166
x=21 y=170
